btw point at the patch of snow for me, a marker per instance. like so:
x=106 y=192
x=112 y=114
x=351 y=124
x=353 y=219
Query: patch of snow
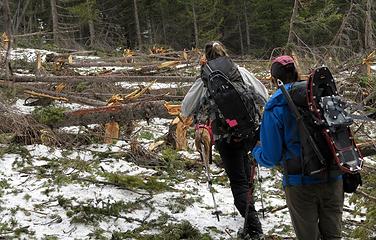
x=92 y=70
x=86 y=57
x=28 y=54
x=155 y=85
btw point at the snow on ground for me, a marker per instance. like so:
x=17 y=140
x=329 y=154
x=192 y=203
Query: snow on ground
x=32 y=202
x=20 y=106
x=155 y=85
x=36 y=198
x=28 y=54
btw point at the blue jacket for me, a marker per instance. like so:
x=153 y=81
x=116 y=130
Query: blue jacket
x=279 y=138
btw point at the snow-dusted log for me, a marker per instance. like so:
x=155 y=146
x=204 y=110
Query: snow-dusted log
x=119 y=113
x=102 y=79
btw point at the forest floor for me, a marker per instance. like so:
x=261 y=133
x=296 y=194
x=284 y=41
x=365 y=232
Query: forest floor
x=99 y=191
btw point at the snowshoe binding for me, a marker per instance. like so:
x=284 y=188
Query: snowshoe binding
x=329 y=109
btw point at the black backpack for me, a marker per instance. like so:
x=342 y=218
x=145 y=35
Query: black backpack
x=232 y=101
x=323 y=113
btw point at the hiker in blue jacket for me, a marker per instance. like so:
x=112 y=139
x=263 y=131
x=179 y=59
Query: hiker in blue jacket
x=233 y=151
x=315 y=203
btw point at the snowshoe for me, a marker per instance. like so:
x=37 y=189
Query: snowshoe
x=329 y=109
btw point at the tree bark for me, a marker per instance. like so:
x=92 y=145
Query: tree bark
x=20 y=18
x=240 y=37
x=247 y=33
x=369 y=35
x=120 y=113
x=163 y=25
x=337 y=39
x=138 y=29
x=195 y=24
x=55 y=21
x=92 y=32
x=292 y=20
x=8 y=31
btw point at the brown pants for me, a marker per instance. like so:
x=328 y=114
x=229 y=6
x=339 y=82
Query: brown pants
x=316 y=210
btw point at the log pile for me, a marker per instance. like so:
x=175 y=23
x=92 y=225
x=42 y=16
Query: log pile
x=113 y=91
x=95 y=82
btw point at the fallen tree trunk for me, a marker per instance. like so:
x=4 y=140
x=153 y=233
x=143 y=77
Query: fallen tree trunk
x=119 y=113
x=111 y=64
x=68 y=97
x=102 y=79
x=54 y=95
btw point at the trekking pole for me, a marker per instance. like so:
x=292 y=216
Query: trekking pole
x=210 y=185
x=261 y=193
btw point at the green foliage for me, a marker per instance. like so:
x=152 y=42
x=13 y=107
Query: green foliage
x=367 y=228
x=49 y=115
x=86 y=10
x=149 y=183
x=367 y=82
x=97 y=210
x=27 y=197
x=50 y=237
x=98 y=234
x=172 y=160
x=146 y=135
x=180 y=203
x=172 y=231
x=81 y=86
x=15 y=149
x=319 y=21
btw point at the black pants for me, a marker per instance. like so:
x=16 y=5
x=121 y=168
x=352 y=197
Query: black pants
x=236 y=162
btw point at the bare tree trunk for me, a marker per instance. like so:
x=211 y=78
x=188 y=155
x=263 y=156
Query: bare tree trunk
x=247 y=33
x=20 y=18
x=337 y=39
x=195 y=23
x=240 y=37
x=55 y=21
x=92 y=32
x=7 y=18
x=138 y=29
x=292 y=20
x=150 y=31
x=8 y=31
x=369 y=35
x=164 y=27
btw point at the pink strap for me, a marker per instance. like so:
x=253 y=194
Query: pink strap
x=232 y=123
x=207 y=127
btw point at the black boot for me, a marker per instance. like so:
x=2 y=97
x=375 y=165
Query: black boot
x=244 y=234
x=253 y=225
